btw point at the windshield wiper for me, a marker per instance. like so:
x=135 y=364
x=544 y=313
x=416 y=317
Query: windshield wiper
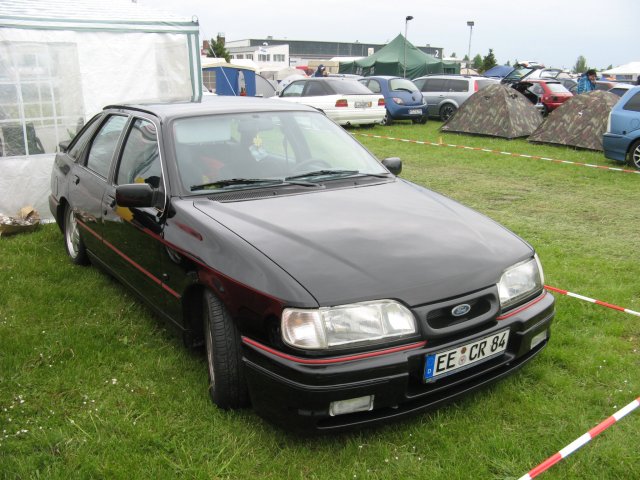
x=249 y=181
x=233 y=181
x=320 y=173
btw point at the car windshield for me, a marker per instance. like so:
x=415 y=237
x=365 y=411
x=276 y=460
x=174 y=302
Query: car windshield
x=519 y=72
x=402 y=84
x=348 y=86
x=263 y=149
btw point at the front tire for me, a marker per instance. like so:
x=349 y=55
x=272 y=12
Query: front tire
x=633 y=160
x=72 y=240
x=387 y=120
x=227 y=385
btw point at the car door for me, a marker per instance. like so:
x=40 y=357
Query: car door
x=134 y=235
x=88 y=182
x=433 y=93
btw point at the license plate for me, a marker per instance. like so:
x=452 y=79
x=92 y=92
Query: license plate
x=448 y=361
x=363 y=104
x=415 y=112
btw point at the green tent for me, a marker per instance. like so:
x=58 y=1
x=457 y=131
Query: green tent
x=390 y=59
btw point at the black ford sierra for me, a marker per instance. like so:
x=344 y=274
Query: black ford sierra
x=328 y=292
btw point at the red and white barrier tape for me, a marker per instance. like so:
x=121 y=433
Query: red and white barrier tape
x=534 y=157
x=592 y=300
x=581 y=441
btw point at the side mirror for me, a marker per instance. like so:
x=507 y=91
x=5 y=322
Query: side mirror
x=136 y=195
x=393 y=164
x=64 y=145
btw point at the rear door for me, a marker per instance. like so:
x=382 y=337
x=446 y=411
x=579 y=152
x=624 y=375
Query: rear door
x=89 y=179
x=433 y=93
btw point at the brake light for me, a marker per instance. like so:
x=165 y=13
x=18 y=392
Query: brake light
x=342 y=103
x=475 y=86
x=381 y=102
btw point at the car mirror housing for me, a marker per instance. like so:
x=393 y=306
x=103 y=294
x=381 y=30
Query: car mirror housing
x=137 y=195
x=393 y=164
x=64 y=145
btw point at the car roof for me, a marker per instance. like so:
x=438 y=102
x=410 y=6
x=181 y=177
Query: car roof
x=211 y=105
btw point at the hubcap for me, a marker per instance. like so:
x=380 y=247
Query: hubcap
x=635 y=157
x=73 y=235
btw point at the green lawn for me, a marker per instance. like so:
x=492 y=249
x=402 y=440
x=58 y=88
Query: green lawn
x=91 y=385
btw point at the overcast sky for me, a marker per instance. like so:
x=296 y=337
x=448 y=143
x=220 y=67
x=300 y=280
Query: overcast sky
x=554 y=32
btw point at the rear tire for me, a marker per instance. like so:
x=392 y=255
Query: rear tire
x=72 y=240
x=227 y=385
x=633 y=160
x=447 y=111
x=422 y=120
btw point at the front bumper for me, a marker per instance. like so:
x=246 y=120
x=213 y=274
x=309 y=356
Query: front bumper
x=297 y=394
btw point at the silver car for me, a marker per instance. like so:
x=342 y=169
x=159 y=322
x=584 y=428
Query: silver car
x=445 y=93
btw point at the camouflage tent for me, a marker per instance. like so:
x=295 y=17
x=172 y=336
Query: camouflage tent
x=578 y=122
x=496 y=110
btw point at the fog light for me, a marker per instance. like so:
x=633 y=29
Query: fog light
x=538 y=339
x=360 y=404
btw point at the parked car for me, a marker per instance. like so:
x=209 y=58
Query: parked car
x=621 y=142
x=401 y=97
x=605 y=85
x=445 y=93
x=327 y=292
x=570 y=84
x=546 y=95
x=621 y=88
x=343 y=100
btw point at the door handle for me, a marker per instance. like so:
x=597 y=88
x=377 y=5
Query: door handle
x=111 y=202
x=76 y=179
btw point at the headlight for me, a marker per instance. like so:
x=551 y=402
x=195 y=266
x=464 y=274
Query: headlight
x=520 y=281
x=330 y=327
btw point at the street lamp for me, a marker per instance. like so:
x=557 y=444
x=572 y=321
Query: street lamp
x=470 y=24
x=406 y=23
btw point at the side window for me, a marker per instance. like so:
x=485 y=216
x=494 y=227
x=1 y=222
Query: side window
x=633 y=104
x=537 y=89
x=458 y=85
x=294 y=90
x=433 y=85
x=104 y=145
x=374 y=86
x=81 y=140
x=315 y=89
x=140 y=160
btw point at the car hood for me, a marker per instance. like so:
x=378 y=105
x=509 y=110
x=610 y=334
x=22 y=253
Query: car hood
x=393 y=240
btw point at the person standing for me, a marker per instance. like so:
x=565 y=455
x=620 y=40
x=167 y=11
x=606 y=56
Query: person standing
x=587 y=81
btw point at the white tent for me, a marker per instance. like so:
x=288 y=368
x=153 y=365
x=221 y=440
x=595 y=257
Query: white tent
x=62 y=61
x=629 y=72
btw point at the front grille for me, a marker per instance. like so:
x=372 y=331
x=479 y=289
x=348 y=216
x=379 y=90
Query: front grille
x=439 y=322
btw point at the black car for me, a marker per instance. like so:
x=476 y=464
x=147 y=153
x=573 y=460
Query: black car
x=328 y=292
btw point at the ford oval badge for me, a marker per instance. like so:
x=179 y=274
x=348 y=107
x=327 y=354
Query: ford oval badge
x=460 y=310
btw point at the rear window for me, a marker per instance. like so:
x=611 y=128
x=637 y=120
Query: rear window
x=396 y=84
x=349 y=87
x=557 y=88
x=633 y=104
x=458 y=86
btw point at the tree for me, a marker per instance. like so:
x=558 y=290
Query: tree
x=217 y=49
x=477 y=62
x=581 y=65
x=489 y=61
x=453 y=55
x=508 y=64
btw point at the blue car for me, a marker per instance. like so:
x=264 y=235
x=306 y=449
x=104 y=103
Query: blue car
x=402 y=98
x=621 y=142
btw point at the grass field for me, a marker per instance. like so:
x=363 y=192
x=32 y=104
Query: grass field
x=92 y=386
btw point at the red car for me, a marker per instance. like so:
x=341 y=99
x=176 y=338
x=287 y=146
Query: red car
x=550 y=94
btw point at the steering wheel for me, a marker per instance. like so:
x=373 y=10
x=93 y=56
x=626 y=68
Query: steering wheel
x=311 y=165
